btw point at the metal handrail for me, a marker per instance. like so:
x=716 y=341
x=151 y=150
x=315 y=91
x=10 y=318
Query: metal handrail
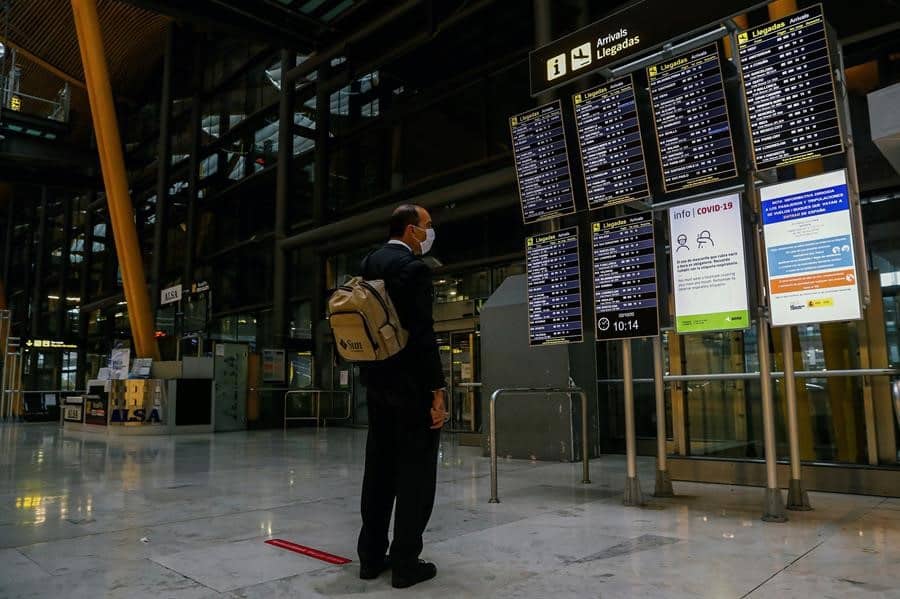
x=538 y=391
x=749 y=376
x=318 y=404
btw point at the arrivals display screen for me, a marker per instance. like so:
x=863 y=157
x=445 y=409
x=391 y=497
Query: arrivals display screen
x=554 y=288
x=542 y=163
x=691 y=118
x=625 y=294
x=609 y=136
x=786 y=69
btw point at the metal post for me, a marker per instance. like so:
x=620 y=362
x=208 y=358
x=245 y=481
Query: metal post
x=109 y=145
x=797 y=496
x=163 y=160
x=633 y=495
x=774 y=505
x=585 y=446
x=492 y=431
x=492 y=442
x=663 y=480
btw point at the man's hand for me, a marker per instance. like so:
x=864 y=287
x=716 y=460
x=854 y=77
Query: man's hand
x=438 y=410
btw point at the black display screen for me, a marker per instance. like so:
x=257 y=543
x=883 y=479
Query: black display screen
x=542 y=163
x=691 y=117
x=609 y=135
x=625 y=293
x=554 y=288
x=786 y=69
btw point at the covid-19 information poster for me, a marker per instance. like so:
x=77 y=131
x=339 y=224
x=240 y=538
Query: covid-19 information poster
x=809 y=250
x=709 y=269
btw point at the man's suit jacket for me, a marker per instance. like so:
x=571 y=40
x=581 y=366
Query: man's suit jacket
x=416 y=370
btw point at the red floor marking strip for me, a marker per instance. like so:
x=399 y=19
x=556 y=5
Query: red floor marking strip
x=309 y=552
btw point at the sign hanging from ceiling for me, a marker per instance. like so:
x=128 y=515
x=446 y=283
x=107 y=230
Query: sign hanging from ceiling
x=691 y=117
x=786 y=69
x=609 y=136
x=810 y=257
x=709 y=269
x=628 y=32
x=542 y=163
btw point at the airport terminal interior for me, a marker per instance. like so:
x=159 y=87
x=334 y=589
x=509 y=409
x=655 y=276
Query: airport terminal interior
x=666 y=293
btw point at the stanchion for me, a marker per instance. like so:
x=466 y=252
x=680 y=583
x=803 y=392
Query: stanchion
x=797 y=499
x=663 y=480
x=633 y=495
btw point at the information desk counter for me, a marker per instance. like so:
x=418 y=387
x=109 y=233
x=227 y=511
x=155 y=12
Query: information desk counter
x=142 y=407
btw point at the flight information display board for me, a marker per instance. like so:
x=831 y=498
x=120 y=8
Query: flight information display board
x=786 y=69
x=691 y=118
x=554 y=288
x=542 y=163
x=609 y=135
x=625 y=293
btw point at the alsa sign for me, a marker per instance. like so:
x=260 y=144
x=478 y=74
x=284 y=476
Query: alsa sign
x=122 y=415
x=637 y=28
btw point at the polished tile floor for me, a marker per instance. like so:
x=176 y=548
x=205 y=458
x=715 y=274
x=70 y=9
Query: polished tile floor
x=83 y=516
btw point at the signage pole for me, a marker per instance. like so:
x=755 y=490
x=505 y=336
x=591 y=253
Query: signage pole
x=632 y=484
x=774 y=503
x=663 y=480
x=797 y=498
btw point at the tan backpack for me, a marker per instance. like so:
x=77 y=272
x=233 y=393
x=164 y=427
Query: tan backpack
x=364 y=322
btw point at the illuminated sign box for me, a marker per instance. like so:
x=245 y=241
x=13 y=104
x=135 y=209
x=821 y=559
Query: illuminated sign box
x=542 y=163
x=609 y=137
x=625 y=292
x=691 y=117
x=554 y=288
x=709 y=269
x=789 y=89
x=810 y=255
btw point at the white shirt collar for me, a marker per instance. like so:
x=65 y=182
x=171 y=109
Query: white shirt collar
x=398 y=242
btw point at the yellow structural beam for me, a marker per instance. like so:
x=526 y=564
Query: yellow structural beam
x=112 y=164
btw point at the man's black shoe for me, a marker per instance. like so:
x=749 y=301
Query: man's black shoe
x=371 y=572
x=414 y=574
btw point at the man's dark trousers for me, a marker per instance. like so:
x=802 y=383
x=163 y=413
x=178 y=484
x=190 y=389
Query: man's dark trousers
x=401 y=466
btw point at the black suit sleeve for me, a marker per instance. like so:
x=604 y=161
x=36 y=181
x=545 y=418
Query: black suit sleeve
x=422 y=339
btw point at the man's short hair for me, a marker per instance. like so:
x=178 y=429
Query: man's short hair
x=403 y=216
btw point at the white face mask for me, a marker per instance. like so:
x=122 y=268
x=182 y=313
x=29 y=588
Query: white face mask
x=429 y=240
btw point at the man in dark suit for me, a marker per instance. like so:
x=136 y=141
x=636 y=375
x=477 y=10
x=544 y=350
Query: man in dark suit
x=406 y=410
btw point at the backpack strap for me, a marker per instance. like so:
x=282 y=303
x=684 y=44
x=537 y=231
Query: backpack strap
x=364 y=265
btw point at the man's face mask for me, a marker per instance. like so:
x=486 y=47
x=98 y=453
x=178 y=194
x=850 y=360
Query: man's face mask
x=428 y=241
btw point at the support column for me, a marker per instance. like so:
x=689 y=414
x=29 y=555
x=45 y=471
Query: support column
x=7 y=248
x=190 y=254
x=37 y=292
x=282 y=195
x=62 y=306
x=322 y=149
x=86 y=267
x=163 y=161
x=112 y=163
